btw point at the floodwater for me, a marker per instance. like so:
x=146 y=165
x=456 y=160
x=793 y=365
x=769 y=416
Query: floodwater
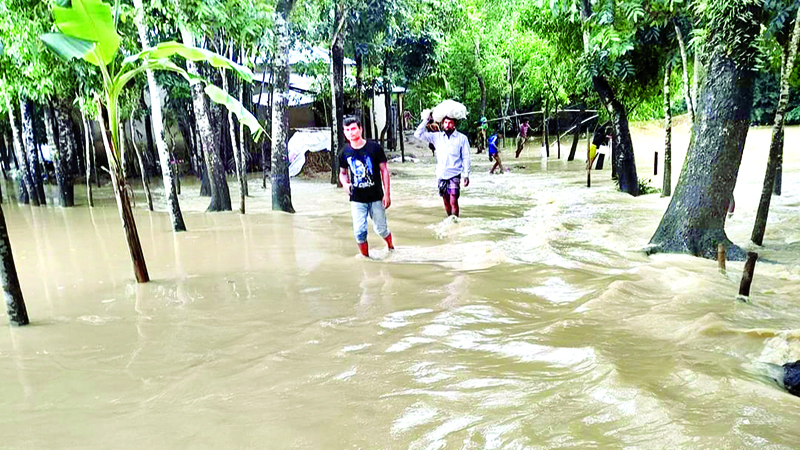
x=534 y=321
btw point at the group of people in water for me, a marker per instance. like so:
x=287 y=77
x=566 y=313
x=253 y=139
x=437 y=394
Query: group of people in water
x=365 y=176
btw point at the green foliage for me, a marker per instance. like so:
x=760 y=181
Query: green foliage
x=645 y=187
x=85 y=13
x=732 y=28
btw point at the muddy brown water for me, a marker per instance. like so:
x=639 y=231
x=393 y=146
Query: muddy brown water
x=534 y=321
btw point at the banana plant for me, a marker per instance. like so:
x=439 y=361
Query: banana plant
x=87 y=30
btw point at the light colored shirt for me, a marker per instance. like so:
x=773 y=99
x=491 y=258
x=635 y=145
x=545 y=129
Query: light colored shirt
x=452 y=152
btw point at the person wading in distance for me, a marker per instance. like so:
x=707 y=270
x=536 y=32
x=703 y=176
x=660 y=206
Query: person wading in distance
x=365 y=177
x=452 y=160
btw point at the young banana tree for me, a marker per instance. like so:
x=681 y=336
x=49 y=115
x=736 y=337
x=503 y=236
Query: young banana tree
x=87 y=31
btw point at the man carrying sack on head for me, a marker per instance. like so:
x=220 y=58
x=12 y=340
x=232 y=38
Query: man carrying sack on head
x=452 y=151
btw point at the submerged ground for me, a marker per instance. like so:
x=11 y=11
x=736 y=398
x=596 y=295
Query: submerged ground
x=535 y=321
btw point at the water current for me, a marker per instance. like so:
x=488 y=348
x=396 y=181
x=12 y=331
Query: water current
x=534 y=321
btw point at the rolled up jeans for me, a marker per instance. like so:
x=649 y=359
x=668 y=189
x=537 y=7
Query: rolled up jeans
x=376 y=212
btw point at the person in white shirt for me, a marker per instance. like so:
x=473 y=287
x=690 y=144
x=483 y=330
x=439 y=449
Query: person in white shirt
x=452 y=160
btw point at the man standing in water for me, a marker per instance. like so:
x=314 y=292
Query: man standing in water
x=368 y=188
x=452 y=160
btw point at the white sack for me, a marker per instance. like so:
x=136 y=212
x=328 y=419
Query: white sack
x=451 y=109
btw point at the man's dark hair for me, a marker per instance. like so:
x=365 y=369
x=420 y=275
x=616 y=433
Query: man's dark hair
x=349 y=120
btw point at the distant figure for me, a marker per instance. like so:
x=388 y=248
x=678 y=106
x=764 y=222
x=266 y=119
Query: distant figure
x=368 y=188
x=452 y=159
x=495 y=153
x=523 y=136
x=483 y=126
x=406 y=118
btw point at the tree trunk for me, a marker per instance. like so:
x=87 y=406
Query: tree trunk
x=776 y=146
x=68 y=149
x=121 y=191
x=694 y=221
x=58 y=154
x=687 y=92
x=15 y=304
x=26 y=118
x=666 y=189
x=267 y=121
x=360 y=87
x=27 y=189
x=215 y=170
x=145 y=181
x=167 y=171
x=89 y=147
x=558 y=138
x=244 y=143
x=281 y=189
x=236 y=149
x=337 y=93
x=545 y=131
x=387 y=103
x=624 y=160
x=577 y=136
x=400 y=128
x=697 y=73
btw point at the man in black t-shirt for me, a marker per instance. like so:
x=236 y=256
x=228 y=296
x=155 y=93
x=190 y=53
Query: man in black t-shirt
x=365 y=176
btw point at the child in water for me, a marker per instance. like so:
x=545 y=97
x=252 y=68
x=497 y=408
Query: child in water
x=495 y=153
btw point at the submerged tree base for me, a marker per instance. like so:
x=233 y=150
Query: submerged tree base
x=702 y=243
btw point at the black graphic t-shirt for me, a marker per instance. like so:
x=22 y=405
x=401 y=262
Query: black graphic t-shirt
x=365 y=173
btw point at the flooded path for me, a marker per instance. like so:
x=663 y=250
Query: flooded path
x=534 y=321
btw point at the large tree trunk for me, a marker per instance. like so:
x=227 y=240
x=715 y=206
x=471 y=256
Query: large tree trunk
x=281 y=189
x=68 y=149
x=776 y=146
x=59 y=155
x=215 y=170
x=624 y=160
x=15 y=304
x=167 y=170
x=666 y=189
x=687 y=92
x=236 y=148
x=337 y=93
x=26 y=118
x=121 y=192
x=694 y=221
x=26 y=185
x=89 y=148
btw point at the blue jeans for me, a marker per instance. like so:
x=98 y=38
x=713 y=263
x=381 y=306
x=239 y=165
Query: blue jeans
x=374 y=210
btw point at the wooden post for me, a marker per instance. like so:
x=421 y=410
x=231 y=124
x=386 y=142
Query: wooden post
x=655 y=164
x=721 y=257
x=747 y=275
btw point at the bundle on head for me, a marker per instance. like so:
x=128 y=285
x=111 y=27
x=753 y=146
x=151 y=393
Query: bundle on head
x=450 y=109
